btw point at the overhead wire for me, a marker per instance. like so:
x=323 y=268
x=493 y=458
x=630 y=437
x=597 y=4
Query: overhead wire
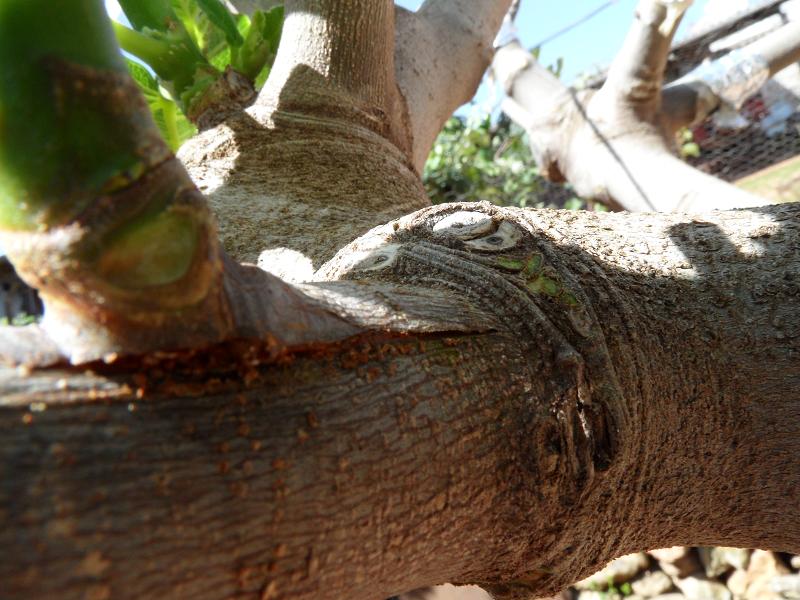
x=576 y=23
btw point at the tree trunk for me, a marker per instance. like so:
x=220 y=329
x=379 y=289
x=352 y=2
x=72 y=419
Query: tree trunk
x=521 y=458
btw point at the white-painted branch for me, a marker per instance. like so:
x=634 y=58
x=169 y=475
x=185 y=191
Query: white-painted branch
x=614 y=145
x=636 y=74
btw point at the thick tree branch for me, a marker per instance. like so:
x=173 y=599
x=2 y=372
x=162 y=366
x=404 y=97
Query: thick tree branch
x=328 y=128
x=442 y=53
x=535 y=98
x=337 y=60
x=520 y=457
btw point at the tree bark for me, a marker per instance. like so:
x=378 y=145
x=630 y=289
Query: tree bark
x=340 y=128
x=520 y=458
x=442 y=402
x=320 y=139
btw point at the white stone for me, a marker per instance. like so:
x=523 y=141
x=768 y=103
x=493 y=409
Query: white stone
x=764 y=567
x=738 y=582
x=719 y=560
x=787 y=586
x=700 y=588
x=622 y=569
x=594 y=595
x=651 y=584
x=678 y=561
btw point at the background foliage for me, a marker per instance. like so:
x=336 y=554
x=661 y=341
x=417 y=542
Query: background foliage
x=475 y=159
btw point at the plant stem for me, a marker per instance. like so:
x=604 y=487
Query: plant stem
x=95 y=211
x=175 y=59
x=169 y=110
x=57 y=149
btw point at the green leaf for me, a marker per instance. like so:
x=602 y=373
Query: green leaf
x=175 y=128
x=511 y=264
x=189 y=14
x=261 y=43
x=142 y=76
x=155 y=14
x=221 y=59
x=219 y=15
x=533 y=265
x=172 y=55
x=557 y=67
x=261 y=78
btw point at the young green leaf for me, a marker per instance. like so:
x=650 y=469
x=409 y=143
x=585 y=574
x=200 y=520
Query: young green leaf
x=142 y=76
x=173 y=55
x=174 y=127
x=261 y=43
x=188 y=14
x=219 y=15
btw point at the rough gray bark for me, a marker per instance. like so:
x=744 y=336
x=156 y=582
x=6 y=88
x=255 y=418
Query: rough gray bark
x=387 y=462
x=617 y=144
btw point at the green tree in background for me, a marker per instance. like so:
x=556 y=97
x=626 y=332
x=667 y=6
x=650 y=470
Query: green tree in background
x=474 y=159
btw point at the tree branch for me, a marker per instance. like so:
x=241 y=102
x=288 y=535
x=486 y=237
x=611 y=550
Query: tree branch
x=336 y=60
x=387 y=462
x=636 y=74
x=535 y=102
x=112 y=232
x=614 y=145
x=442 y=53
x=330 y=113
